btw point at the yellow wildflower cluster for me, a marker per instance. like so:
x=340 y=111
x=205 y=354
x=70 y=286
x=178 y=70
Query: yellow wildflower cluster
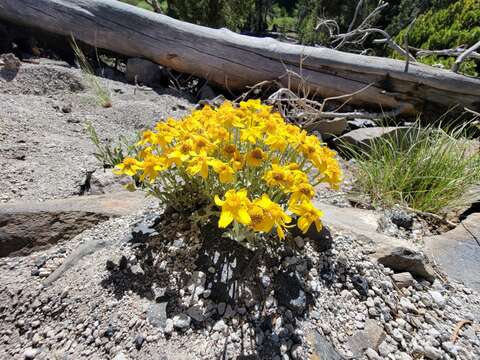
x=258 y=169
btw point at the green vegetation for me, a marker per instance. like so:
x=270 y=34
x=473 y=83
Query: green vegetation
x=102 y=93
x=426 y=169
x=110 y=155
x=451 y=26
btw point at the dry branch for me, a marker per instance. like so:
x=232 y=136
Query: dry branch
x=445 y=52
x=236 y=61
x=464 y=56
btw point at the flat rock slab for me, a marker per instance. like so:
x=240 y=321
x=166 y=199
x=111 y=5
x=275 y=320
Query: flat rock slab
x=28 y=226
x=457 y=251
x=365 y=136
x=360 y=222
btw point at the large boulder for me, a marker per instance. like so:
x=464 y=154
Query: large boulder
x=457 y=252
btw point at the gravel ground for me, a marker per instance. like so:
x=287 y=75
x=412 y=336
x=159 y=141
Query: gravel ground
x=44 y=147
x=129 y=290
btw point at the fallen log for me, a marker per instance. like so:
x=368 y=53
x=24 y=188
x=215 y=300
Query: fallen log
x=236 y=61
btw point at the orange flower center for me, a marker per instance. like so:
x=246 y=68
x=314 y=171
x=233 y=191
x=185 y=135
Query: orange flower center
x=257 y=154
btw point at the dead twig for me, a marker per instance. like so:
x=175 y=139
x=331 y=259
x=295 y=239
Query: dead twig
x=405 y=44
x=446 y=52
x=349 y=96
x=355 y=15
x=457 y=329
x=155 y=4
x=464 y=55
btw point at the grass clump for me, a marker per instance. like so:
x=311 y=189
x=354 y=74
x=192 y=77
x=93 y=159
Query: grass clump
x=110 y=155
x=102 y=93
x=427 y=169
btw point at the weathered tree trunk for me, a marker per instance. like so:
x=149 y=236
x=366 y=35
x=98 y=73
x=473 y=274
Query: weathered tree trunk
x=235 y=61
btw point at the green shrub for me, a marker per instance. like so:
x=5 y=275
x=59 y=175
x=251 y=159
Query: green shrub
x=427 y=169
x=449 y=27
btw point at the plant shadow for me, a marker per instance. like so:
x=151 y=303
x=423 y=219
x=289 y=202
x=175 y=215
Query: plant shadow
x=218 y=279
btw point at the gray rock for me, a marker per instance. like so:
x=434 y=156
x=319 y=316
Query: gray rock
x=28 y=226
x=438 y=298
x=181 y=321
x=402 y=259
x=432 y=353
x=40 y=261
x=143 y=71
x=157 y=314
x=457 y=252
x=196 y=284
x=329 y=127
x=10 y=62
x=364 y=137
x=265 y=280
x=401 y=218
x=371 y=337
x=322 y=349
x=168 y=326
x=372 y=354
x=403 y=356
x=196 y=313
x=30 y=353
x=219 y=326
x=403 y=280
x=139 y=340
x=361 y=123
x=385 y=348
x=120 y=356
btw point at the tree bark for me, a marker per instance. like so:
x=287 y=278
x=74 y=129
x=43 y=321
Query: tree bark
x=236 y=61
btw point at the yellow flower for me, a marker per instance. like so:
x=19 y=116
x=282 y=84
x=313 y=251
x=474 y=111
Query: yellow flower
x=234 y=207
x=255 y=157
x=277 y=142
x=252 y=104
x=274 y=215
x=129 y=166
x=308 y=215
x=279 y=176
x=199 y=165
x=148 y=137
x=237 y=161
x=251 y=134
x=225 y=172
x=201 y=143
x=301 y=192
x=181 y=152
x=229 y=150
x=228 y=116
x=151 y=166
x=260 y=221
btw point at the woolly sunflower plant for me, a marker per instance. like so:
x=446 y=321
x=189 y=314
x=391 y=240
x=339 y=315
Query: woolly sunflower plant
x=248 y=166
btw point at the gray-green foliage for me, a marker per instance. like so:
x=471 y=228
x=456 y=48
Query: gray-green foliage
x=110 y=155
x=428 y=169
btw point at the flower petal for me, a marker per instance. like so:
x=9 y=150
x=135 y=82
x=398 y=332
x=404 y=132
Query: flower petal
x=226 y=217
x=243 y=217
x=218 y=201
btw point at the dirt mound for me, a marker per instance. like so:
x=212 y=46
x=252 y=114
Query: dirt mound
x=31 y=79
